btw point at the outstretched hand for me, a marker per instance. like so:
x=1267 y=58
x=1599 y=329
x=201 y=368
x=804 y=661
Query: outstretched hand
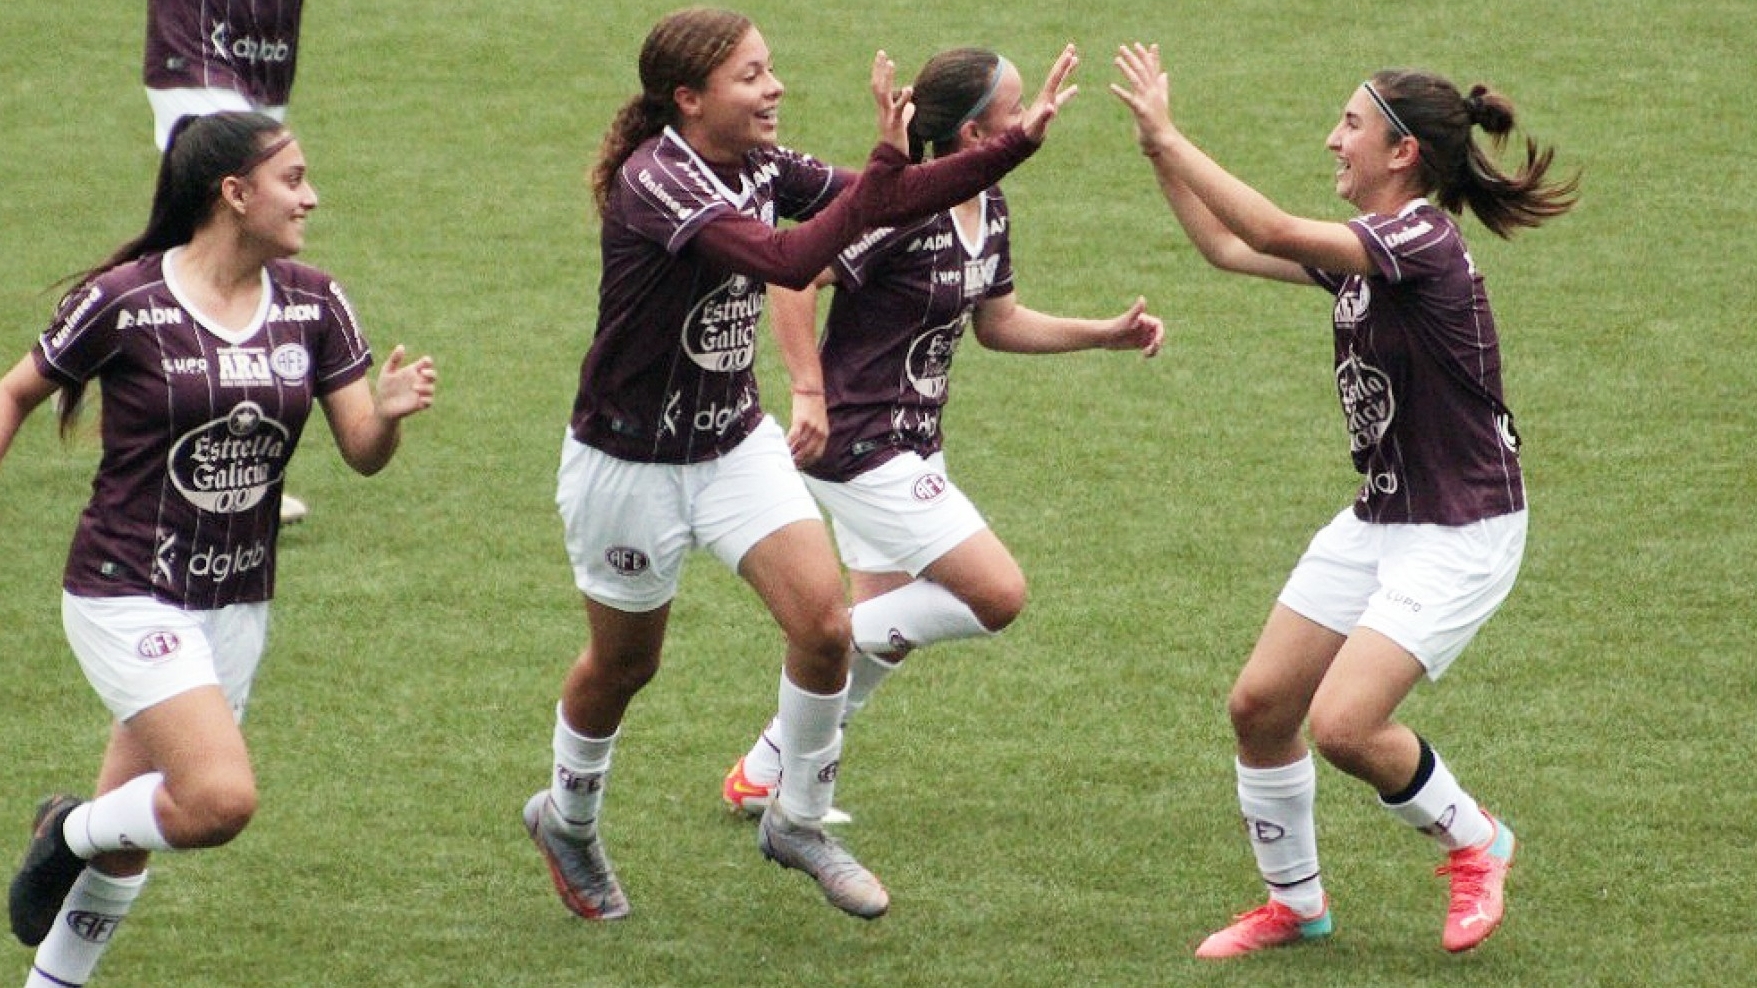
x=403 y=391
x=896 y=107
x=1052 y=97
x=1147 y=93
x=1136 y=329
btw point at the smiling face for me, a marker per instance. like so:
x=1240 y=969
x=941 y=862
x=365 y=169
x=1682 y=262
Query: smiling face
x=273 y=199
x=737 y=110
x=1374 y=165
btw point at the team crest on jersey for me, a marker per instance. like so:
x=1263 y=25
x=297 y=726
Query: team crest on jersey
x=290 y=362
x=229 y=465
x=156 y=646
x=1351 y=304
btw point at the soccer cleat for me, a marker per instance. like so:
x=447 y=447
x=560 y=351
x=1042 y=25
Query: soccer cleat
x=1273 y=925
x=581 y=872
x=748 y=798
x=845 y=883
x=743 y=795
x=49 y=870
x=1479 y=882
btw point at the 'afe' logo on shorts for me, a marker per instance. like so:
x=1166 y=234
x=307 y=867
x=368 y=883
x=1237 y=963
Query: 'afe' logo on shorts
x=929 y=486
x=158 y=645
x=628 y=562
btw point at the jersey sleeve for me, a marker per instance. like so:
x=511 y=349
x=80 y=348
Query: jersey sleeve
x=81 y=338
x=340 y=352
x=666 y=201
x=1405 y=247
x=804 y=185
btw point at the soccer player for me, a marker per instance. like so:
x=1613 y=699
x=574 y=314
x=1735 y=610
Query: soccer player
x=1395 y=586
x=923 y=565
x=669 y=448
x=205 y=56
x=210 y=347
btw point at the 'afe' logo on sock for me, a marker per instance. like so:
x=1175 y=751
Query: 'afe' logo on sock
x=93 y=927
x=1263 y=831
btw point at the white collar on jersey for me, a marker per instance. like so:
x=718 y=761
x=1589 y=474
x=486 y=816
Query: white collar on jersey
x=737 y=199
x=234 y=337
x=973 y=245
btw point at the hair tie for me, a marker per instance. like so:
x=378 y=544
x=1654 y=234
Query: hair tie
x=994 y=82
x=1473 y=106
x=1385 y=108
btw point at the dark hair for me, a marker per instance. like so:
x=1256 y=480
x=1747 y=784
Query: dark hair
x=1455 y=169
x=201 y=153
x=681 y=50
x=948 y=87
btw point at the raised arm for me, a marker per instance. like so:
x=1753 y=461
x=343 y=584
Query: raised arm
x=1235 y=227
x=368 y=426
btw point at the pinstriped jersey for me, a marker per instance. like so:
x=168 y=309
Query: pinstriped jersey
x=198 y=423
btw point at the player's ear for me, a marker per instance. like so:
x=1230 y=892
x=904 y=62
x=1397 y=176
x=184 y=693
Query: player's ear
x=688 y=101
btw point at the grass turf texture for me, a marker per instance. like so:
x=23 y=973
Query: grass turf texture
x=1053 y=807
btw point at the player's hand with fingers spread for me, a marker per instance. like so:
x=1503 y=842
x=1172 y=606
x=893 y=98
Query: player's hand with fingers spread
x=1136 y=329
x=896 y=107
x=1052 y=97
x=1147 y=93
x=403 y=391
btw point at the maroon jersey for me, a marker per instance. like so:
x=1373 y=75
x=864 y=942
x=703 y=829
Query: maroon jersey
x=249 y=46
x=1418 y=368
x=904 y=297
x=198 y=424
x=669 y=376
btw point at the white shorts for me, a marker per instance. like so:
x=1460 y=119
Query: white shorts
x=169 y=105
x=630 y=525
x=899 y=516
x=1429 y=588
x=138 y=652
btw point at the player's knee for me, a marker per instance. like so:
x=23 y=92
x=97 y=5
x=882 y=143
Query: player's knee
x=1001 y=604
x=217 y=813
x=1260 y=715
x=1341 y=739
x=825 y=635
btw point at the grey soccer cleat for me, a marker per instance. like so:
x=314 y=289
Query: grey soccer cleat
x=848 y=885
x=581 y=872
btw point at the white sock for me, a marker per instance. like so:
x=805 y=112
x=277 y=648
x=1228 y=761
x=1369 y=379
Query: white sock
x=119 y=820
x=577 y=782
x=1442 y=809
x=912 y=616
x=89 y=916
x=1277 y=804
x=762 y=763
x=809 y=725
x=865 y=672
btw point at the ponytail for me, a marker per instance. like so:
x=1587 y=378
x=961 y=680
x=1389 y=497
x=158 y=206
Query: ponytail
x=1457 y=170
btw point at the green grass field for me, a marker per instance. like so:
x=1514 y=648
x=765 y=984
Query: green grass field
x=1053 y=807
